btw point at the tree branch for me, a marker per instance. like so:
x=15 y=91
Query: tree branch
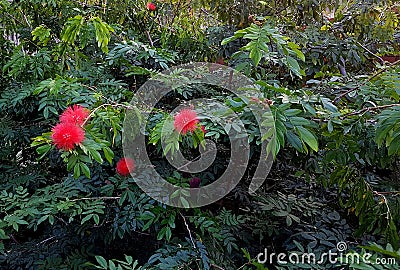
x=372 y=77
x=371 y=53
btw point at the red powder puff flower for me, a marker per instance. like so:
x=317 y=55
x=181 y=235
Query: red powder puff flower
x=151 y=6
x=75 y=114
x=66 y=135
x=186 y=120
x=125 y=166
x=195 y=182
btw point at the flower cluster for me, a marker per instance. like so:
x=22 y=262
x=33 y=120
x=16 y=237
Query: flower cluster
x=69 y=131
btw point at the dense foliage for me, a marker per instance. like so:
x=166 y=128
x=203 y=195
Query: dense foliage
x=328 y=72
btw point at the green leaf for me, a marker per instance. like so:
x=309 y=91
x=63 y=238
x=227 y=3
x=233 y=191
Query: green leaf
x=292 y=112
x=295 y=141
x=308 y=138
x=102 y=262
x=184 y=202
x=51 y=219
x=43 y=218
x=256 y=55
x=109 y=154
x=96 y=219
x=42 y=33
x=96 y=155
x=72 y=28
x=161 y=233
x=3 y=235
x=138 y=71
x=326 y=102
x=293 y=65
x=77 y=170
x=44 y=149
x=85 y=169
x=168 y=233
x=229 y=39
x=296 y=50
x=288 y=221
x=103 y=33
x=330 y=126
x=71 y=162
x=382 y=251
x=86 y=218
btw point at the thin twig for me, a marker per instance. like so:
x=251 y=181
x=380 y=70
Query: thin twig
x=376 y=56
x=46 y=240
x=187 y=227
x=93 y=88
x=194 y=160
x=364 y=110
x=388 y=214
x=13 y=238
x=386 y=192
x=62 y=220
x=95 y=198
x=102 y=106
x=217 y=266
x=246 y=264
x=150 y=39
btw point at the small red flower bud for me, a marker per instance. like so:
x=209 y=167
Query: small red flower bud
x=151 y=6
x=125 y=166
x=195 y=182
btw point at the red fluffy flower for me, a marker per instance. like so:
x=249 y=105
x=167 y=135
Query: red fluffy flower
x=125 y=166
x=186 y=120
x=75 y=114
x=151 y=6
x=66 y=135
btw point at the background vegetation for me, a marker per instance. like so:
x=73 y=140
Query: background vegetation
x=328 y=69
